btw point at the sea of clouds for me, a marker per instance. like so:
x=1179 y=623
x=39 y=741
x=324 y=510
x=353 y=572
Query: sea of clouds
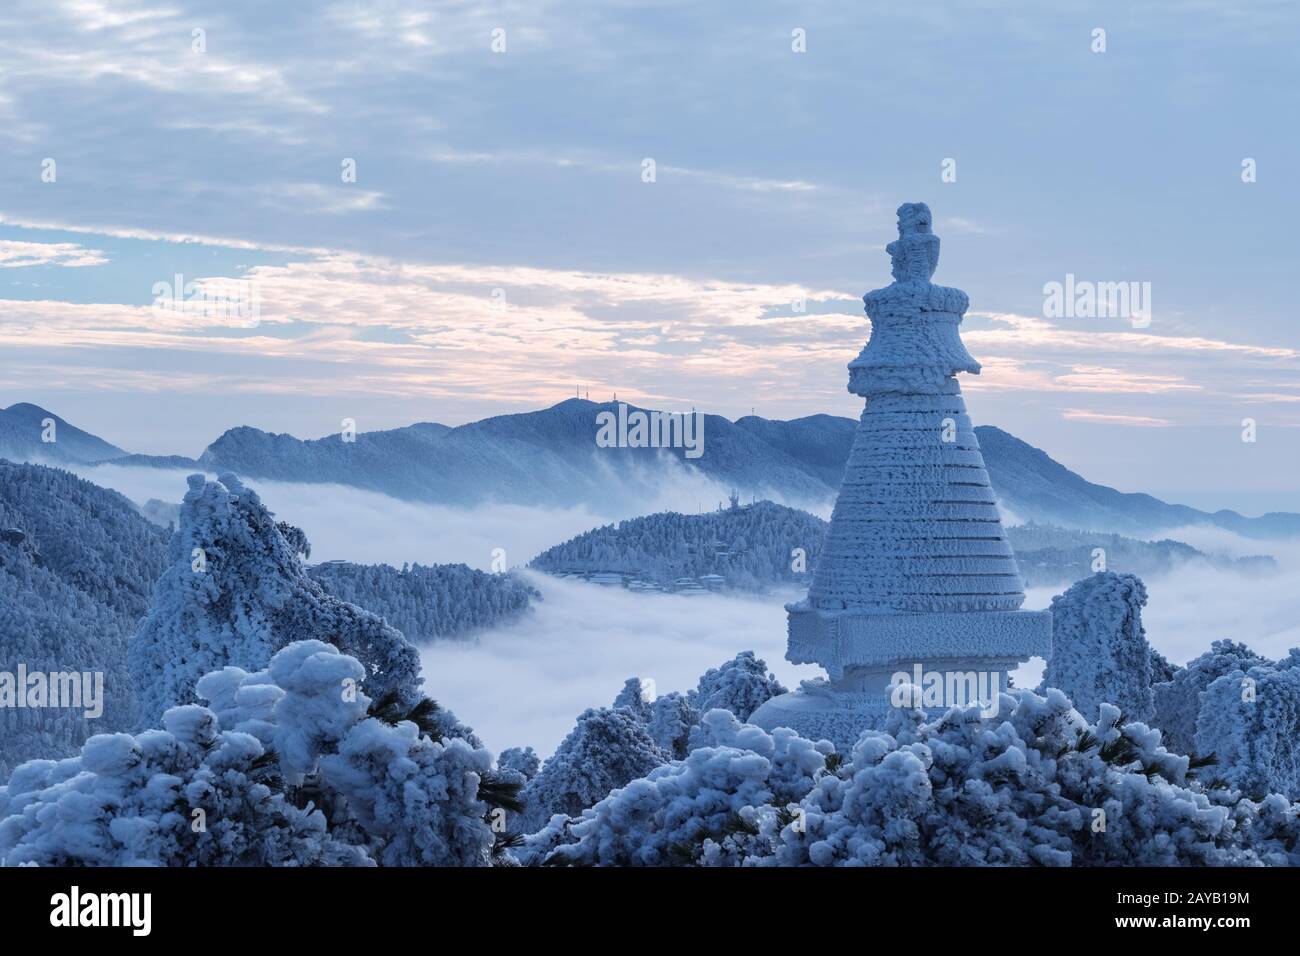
x=524 y=683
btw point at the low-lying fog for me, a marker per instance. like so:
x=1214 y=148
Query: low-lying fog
x=526 y=682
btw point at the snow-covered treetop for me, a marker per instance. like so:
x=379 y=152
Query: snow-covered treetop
x=236 y=592
x=1100 y=653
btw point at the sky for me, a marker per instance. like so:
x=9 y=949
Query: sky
x=502 y=243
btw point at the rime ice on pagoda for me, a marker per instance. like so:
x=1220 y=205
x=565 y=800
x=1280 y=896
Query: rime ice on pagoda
x=916 y=569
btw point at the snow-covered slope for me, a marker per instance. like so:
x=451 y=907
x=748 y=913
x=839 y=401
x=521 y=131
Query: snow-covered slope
x=77 y=568
x=25 y=434
x=429 y=602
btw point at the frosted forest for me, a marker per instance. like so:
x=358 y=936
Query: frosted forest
x=651 y=435
x=242 y=705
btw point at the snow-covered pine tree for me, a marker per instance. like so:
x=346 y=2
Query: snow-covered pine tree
x=1249 y=723
x=1100 y=653
x=671 y=720
x=633 y=699
x=235 y=593
x=607 y=748
x=1178 y=701
x=521 y=760
x=741 y=685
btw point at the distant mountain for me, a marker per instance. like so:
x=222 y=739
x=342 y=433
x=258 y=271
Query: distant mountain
x=1055 y=557
x=1034 y=487
x=547 y=457
x=25 y=432
x=156 y=461
x=550 y=457
x=820 y=443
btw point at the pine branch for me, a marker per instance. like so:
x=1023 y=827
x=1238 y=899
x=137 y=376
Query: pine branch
x=424 y=714
x=498 y=792
x=1196 y=762
x=1119 y=752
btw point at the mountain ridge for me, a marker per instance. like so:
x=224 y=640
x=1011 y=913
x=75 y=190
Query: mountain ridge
x=23 y=430
x=549 y=457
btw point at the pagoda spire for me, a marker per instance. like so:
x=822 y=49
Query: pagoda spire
x=916 y=568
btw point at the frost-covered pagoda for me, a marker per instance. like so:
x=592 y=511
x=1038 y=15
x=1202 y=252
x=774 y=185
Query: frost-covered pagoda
x=916 y=569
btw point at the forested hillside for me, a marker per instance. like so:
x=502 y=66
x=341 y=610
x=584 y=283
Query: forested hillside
x=428 y=602
x=752 y=547
x=77 y=568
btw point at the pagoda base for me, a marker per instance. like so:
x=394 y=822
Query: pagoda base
x=816 y=711
x=840 y=710
x=954 y=659
x=841 y=641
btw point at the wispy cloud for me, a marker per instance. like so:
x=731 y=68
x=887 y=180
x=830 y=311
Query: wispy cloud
x=338 y=322
x=331 y=200
x=631 y=167
x=1141 y=421
x=1040 y=334
x=17 y=255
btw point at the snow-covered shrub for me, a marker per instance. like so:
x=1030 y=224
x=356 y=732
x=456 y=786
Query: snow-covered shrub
x=704 y=809
x=1036 y=785
x=1250 y=722
x=235 y=593
x=188 y=795
x=741 y=685
x=607 y=748
x=320 y=704
x=1100 y=653
x=293 y=765
x=1178 y=701
x=417 y=799
x=242 y=701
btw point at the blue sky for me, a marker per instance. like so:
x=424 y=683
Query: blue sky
x=499 y=245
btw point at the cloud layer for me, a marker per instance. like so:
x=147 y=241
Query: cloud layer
x=526 y=682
